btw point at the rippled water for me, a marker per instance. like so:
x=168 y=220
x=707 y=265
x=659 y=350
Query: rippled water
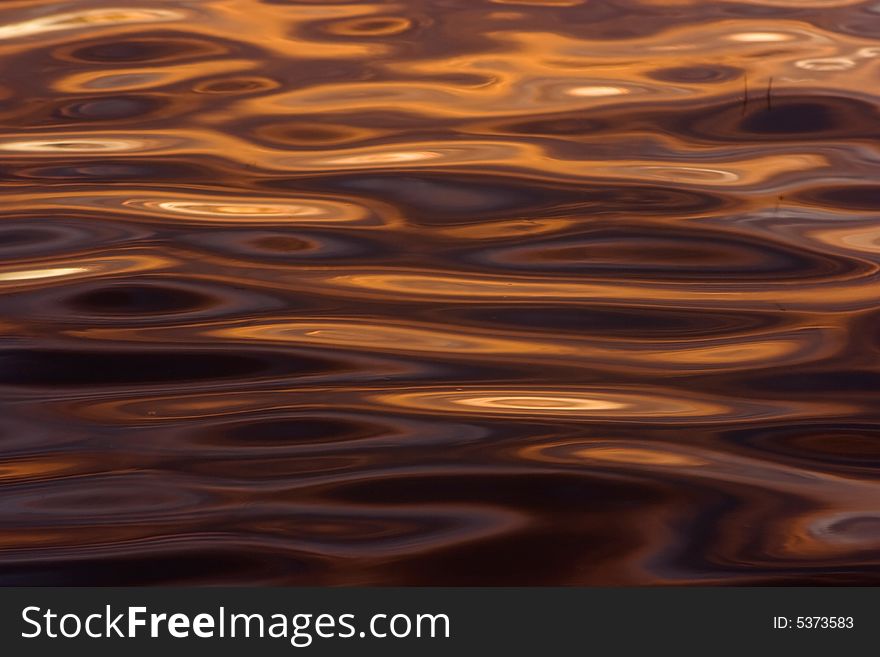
x=439 y=292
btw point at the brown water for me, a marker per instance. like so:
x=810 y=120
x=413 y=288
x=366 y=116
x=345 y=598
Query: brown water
x=439 y=292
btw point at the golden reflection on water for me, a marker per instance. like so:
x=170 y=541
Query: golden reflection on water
x=307 y=292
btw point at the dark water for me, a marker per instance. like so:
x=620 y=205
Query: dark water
x=439 y=292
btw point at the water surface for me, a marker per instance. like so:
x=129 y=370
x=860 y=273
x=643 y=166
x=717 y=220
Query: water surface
x=535 y=292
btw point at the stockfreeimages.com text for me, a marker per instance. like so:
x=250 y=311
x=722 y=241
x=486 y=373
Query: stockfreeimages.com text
x=300 y=629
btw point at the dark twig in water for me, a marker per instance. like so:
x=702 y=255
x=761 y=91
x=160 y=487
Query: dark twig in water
x=745 y=92
x=769 y=91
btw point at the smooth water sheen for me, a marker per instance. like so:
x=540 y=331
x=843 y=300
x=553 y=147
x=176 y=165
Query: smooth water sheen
x=578 y=292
